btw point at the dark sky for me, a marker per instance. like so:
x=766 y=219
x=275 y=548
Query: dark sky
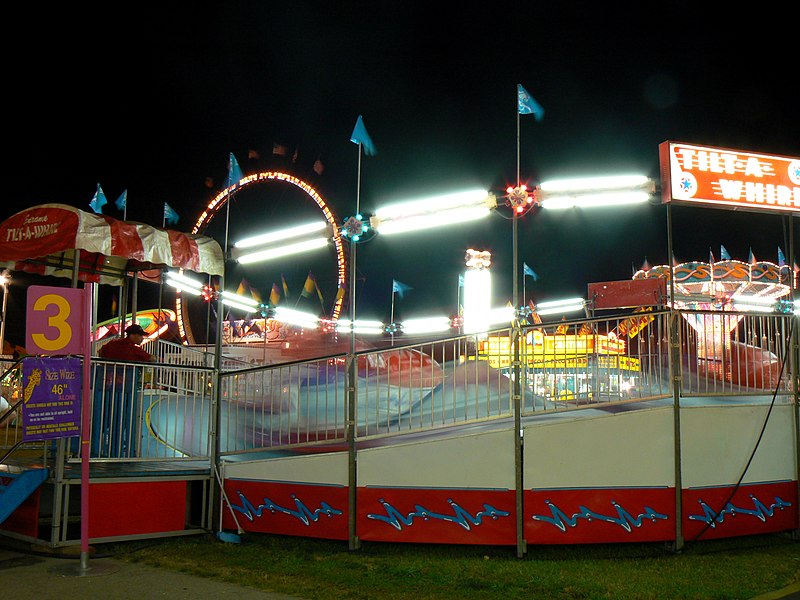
x=152 y=100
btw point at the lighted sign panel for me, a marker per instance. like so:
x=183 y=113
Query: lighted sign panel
x=733 y=179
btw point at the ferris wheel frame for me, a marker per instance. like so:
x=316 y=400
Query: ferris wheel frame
x=221 y=199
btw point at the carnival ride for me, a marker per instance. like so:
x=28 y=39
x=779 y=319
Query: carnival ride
x=718 y=295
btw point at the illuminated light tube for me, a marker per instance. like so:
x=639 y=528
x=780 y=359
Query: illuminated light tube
x=498 y=316
x=283 y=234
x=553 y=303
x=745 y=299
x=426 y=325
x=582 y=184
x=277 y=252
x=296 y=317
x=753 y=308
x=365 y=327
x=436 y=211
x=477 y=296
x=562 y=201
x=234 y=304
x=183 y=280
x=178 y=285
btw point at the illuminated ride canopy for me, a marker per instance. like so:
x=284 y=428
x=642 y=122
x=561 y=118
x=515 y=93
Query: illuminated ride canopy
x=716 y=289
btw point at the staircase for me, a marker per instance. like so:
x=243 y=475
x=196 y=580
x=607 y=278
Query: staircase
x=16 y=487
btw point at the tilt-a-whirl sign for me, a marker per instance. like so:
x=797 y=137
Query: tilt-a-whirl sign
x=733 y=179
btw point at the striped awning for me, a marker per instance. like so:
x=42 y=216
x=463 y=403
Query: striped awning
x=46 y=239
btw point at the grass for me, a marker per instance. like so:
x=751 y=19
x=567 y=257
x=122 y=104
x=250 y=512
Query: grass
x=326 y=570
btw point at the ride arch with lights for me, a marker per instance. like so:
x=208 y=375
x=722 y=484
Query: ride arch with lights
x=220 y=201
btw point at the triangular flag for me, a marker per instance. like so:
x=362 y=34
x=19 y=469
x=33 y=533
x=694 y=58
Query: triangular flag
x=361 y=137
x=526 y=105
x=752 y=258
x=400 y=288
x=309 y=286
x=98 y=201
x=711 y=256
x=122 y=202
x=285 y=286
x=723 y=253
x=170 y=216
x=781 y=258
x=234 y=171
x=645 y=265
x=275 y=295
x=526 y=270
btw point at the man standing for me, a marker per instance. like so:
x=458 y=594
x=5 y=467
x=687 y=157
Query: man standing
x=115 y=418
x=127 y=348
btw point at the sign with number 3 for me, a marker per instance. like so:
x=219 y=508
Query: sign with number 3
x=54 y=320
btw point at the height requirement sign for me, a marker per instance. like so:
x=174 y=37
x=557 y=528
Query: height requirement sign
x=732 y=179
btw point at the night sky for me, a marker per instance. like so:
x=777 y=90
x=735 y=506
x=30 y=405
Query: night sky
x=153 y=101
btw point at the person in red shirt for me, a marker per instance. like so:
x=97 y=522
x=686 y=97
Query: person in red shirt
x=115 y=418
x=127 y=348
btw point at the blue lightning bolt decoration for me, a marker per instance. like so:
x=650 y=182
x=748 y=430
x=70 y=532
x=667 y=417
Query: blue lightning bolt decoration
x=460 y=516
x=623 y=518
x=302 y=512
x=760 y=511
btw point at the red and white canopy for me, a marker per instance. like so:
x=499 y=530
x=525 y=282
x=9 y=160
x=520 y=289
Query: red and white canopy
x=45 y=239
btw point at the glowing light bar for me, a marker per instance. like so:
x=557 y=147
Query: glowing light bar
x=240 y=302
x=174 y=276
x=178 y=285
x=554 y=307
x=594 y=200
x=283 y=234
x=477 y=295
x=360 y=326
x=748 y=299
x=436 y=211
x=279 y=251
x=763 y=308
x=426 y=325
x=585 y=184
x=498 y=316
x=296 y=317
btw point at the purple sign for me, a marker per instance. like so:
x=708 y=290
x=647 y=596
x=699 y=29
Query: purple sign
x=51 y=398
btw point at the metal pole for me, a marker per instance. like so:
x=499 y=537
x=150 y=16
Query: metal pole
x=352 y=390
x=5 y=277
x=517 y=393
x=675 y=374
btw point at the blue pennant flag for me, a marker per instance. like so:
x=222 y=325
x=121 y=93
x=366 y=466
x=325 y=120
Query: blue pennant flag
x=752 y=258
x=122 y=201
x=98 y=201
x=460 y=280
x=400 y=288
x=170 y=216
x=526 y=105
x=723 y=253
x=361 y=137
x=711 y=256
x=526 y=270
x=781 y=258
x=234 y=171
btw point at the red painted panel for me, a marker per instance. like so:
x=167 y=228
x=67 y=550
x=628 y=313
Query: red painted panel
x=710 y=513
x=589 y=516
x=437 y=516
x=286 y=508
x=133 y=508
x=628 y=293
x=25 y=519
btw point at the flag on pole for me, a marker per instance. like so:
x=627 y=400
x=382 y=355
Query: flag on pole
x=752 y=258
x=711 y=256
x=285 y=286
x=243 y=287
x=361 y=137
x=723 y=253
x=309 y=286
x=319 y=295
x=340 y=294
x=781 y=258
x=274 y=295
x=645 y=265
x=400 y=288
x=526 y=105
x=526 y=270
x=460 y=280
x=318 y=167
x=170 y=216
x=234 y=171
x=122 y=202
x=98 y=201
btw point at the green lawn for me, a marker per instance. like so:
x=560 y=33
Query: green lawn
x=322 y=570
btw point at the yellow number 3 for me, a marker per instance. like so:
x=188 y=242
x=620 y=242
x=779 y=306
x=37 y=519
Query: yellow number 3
x=58 y=320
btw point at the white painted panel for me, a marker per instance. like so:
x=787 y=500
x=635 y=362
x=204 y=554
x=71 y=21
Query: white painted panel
x=482 y=460
x=323 y=469
x=633 y=448
x=717 y=443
